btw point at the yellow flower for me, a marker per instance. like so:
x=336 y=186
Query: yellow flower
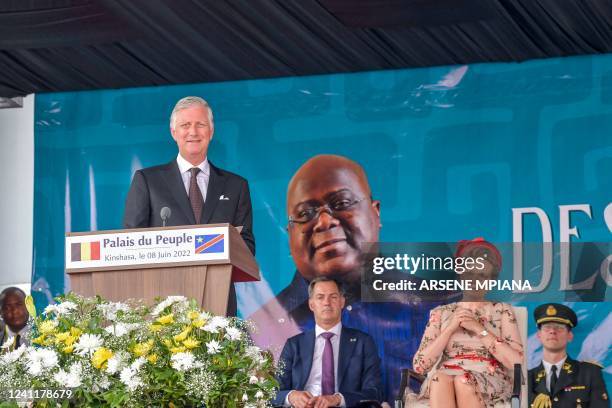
x=198 y=323
x=29 y=304
x=142 y=349
x=100 y=357
x=167 y=319
x=70 y=340
x=75 y=331
x=182 y=335
x=180 y=349
x=47 y=327
x=191 y=343
x=152 y=358
x=62 y=336
x=39 y=340
x=193 y=315
x=168 y=343
x=68 y=349
x=66 y=338
x=155 y=327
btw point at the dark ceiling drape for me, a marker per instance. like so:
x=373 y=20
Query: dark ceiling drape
x=61 y=45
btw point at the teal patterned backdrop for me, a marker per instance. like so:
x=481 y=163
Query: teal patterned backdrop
x=449 y=152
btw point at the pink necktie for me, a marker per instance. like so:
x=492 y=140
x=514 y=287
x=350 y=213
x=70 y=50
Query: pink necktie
x=328 y=382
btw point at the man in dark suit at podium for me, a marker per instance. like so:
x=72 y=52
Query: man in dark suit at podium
x=195 y=191
x=332 y=365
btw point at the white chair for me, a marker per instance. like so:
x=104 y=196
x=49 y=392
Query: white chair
x=407 y=398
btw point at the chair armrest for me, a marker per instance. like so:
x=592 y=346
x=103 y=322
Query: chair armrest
x=415 y=376
x=515 y=399
x=407 y=375
x=399 y=398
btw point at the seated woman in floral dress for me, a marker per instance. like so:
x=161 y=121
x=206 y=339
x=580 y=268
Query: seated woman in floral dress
x=469 y=348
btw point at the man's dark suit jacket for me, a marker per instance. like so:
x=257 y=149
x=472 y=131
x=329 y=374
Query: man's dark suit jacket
x=358 y=366
x=227 y=200
x=579 y=384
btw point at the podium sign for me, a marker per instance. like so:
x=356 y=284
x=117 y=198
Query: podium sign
x=135 y=248
x=198 y=262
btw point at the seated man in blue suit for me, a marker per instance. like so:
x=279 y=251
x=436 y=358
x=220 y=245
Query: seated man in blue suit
x=331 y=366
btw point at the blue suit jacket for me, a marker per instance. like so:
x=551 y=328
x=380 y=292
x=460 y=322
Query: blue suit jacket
x=359 y=376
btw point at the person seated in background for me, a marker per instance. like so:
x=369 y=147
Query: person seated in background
x=469 y=348
x=14 y=329
x=333 y=365
x=560 y=381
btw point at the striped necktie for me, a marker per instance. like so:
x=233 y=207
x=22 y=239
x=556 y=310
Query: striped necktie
x=195 y=195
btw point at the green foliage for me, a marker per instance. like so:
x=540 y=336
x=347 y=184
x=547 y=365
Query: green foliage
x=116 y=355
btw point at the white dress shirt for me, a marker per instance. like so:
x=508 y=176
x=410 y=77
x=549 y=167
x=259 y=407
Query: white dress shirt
x=313 y=384
x=202 y=178
x=548 y=368
x=10 y=335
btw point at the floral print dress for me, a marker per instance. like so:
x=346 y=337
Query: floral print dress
x=467 y=356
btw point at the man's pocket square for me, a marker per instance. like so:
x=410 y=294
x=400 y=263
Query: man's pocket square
x=223 y=197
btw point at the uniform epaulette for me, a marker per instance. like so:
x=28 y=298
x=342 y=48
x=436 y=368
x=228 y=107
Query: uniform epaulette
x=595 y=363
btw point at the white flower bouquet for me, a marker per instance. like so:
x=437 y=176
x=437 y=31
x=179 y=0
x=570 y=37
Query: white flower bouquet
x=114 y=355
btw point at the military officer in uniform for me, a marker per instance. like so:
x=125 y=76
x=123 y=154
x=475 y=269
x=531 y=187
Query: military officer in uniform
x=559 y=381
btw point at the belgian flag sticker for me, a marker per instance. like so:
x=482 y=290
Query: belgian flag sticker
x=85 y=251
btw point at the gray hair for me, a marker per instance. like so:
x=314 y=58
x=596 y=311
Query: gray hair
x=188 y=102
x=319 y=279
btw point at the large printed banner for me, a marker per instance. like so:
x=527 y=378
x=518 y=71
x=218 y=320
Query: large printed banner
x=509 y=152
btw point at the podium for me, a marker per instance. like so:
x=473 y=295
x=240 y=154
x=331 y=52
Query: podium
x=199 y=262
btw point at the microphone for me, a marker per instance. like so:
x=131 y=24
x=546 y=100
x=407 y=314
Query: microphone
x=165 y=213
